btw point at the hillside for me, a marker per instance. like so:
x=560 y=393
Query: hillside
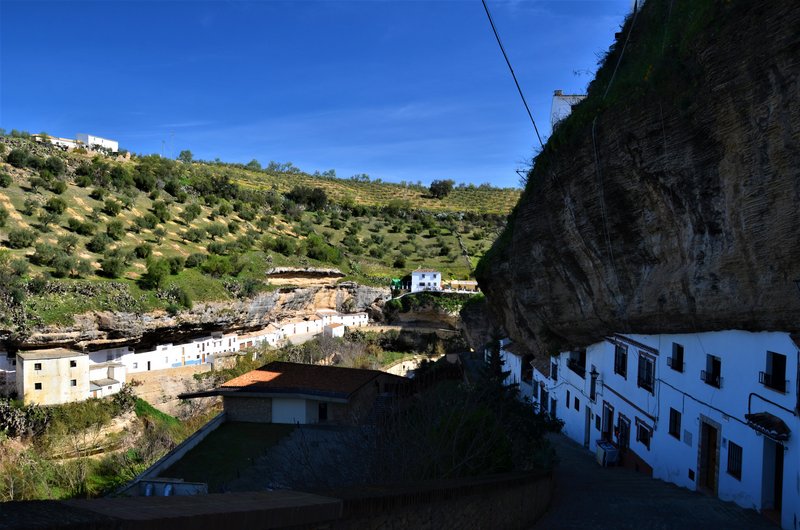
x=667 y=201
x=82 y=231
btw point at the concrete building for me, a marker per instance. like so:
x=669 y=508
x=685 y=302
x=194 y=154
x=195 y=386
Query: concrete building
x=106 y=379
x=426 y=280
x=89 y=140
x=333 y=330
x=8 y=374
x=64 y=143
x=50 y=377
x=712 y=412
x=293 y=393
x=464 y=286
x=562 y=106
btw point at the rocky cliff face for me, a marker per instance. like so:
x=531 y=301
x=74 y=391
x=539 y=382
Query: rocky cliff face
x=105 y=329
x=681 y=212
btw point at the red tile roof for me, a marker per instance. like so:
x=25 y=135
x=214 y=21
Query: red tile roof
x=283 y=377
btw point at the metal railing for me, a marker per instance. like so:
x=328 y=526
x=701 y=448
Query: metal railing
x=675 y=364
x=770 y=381
x=710 y=378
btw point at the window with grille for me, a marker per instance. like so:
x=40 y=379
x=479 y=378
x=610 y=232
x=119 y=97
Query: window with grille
x=734 y=460
x=621 y=360
x=675 y=423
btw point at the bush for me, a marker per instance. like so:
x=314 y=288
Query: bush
x=79 y=227
x=98 y=243
x=58 y=187
x=5 y=180
x=112 y=207
x=148 y=221
x=21 y=238
x=216 y=230
x=217 y=247
x=399 y=262
x=156 y=275
x=176 y=264
x=195 y=260
x=441 y=188
x=115 y=230
x=55 y=205
x=98 y=194
x=55 y=165
x=195 y=235
x=217 y=266
x=161 y=211
x=112 y=266
x=68 y=243
x=3 y=216
x=143 y=251
x=18 y=158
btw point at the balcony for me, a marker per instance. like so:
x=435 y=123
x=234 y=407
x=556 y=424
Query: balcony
x=770 y=381
x=577 y=367
x=711 y=379
x=675 y=364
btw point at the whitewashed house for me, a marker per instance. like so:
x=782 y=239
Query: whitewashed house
x=8 y=374
x=426 y=280
x=333 y=330
x=561 y=106
x=714 y=412
x=106 y=379
x=53 y=376
x=91 y=140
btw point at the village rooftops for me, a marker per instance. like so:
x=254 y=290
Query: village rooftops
x=53 y=353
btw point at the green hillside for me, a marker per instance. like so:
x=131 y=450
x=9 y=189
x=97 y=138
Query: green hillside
x=83 y=231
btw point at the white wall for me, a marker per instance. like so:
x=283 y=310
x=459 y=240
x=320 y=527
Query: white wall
x=91 y=140
x=288 y=410
x=743 y=356
x=426 y=281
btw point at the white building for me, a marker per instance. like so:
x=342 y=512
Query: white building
x=711 y=411
x=90 y=140
x=66 y=143
x=562 y=106
x=333 y=330
x=426 y=280
x=106 y=379
x=53 y=376
x=8 y=374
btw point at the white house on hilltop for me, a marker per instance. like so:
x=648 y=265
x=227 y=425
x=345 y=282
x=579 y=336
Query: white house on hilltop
x=90 y=140
x=714 y=412
x=426 y=280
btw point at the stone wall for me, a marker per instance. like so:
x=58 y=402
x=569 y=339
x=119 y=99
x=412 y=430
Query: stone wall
x=257 y=410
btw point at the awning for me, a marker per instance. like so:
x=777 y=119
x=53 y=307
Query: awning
x=769 y=425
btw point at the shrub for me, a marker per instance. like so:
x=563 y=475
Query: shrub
x=3 y=216
x=98 y=243
x=44 y=254
x=115 y=230
x=183 y=298
x=112 y=266
x=21 y=238
x=55 y=205
x=79 y=227
x=195 y=260
x=399 y=262
x=195 y=235
x=216 y=266
x=83 y=181
x=55 y=165
x=68 y=243
x=161 y=210
x=191 y=212
x=148 y=221
x=18 y=158
x=98 y=194
x=216 y=230
x=176 y=264
x=112 y=207
x=143 y=251
x=5 y=180
x=58 y=187
x=441 y=188
x=217 y=247
x=156 y=275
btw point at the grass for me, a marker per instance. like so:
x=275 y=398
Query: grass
x=226 y=451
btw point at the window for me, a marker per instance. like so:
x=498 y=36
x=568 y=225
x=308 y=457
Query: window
x=543 y=397
x=577 y=403
x=735 y=460
x=568 y=399
x=135 y=365
x=73 y=382
x=37 y=366
x=676 y=361
x=775 y=375
x=643 y=433
x=554 y=371
x=647 y=372
x=624 y=431
x=553 y=407
x=73 y=364
x=577 y=362
x=37 y=386
x=621 y=360
x=597 y=421
x=712 y=375
x=593 y=384
x=675 y=423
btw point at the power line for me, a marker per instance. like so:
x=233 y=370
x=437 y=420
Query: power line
x=497 y=36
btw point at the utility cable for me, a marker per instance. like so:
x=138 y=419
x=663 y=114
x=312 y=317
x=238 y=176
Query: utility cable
x=519 y=89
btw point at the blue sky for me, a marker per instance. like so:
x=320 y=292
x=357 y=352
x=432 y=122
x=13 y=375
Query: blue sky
x=410 y=90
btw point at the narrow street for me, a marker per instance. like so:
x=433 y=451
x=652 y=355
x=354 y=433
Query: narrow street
x=589 y=496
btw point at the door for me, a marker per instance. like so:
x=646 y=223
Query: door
x=772 y=485
x=588 y=428
x=708 y=458
x=608 y=421
x=148 y=366
x=323 y=412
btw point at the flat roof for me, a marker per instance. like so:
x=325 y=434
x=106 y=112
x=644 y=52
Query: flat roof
x=334 y=325
x=99 y=383
x=53 y=353
x=297 y=378
x=426 y=270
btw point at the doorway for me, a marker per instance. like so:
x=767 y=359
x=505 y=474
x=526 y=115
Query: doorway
x=148 y=366
x=772 y=479
x=323 y=412
x=709 y=457
x=608 y=421
x=588 y=428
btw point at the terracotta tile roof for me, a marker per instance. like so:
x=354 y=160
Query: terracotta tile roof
x=283 y=377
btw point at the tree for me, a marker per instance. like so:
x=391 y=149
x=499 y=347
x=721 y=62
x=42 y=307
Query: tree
x=159 y=234
x=68 y=243
x=185 y=156
x=441 y=188
x=216 y=230
x=115 y=230
x=112 y=266
x=18 y=158
x=55 y=165
x=161 y=211
x=46 y=218
x=191 y=212
x=21 y=238
x=156 y=275
x=111 y=207
x=98 y=243
x=254 y=165
x=143 y=251
x=55 y=205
